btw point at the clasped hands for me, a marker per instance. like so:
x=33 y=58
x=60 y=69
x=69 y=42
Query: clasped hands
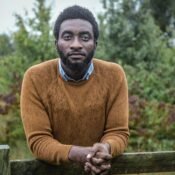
x=95 y=159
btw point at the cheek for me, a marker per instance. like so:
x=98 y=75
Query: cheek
x=62 y=45
x=90 y=46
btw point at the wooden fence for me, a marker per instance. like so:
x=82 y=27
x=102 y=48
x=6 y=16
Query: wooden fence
x=127 y=163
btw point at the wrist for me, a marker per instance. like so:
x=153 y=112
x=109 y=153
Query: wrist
x=108 y=147
x=72 y=156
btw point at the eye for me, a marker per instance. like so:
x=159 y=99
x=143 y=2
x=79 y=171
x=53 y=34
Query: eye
x=67 y=36
x=85 y=37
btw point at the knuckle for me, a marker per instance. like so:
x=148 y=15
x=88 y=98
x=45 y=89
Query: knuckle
x=96 y=170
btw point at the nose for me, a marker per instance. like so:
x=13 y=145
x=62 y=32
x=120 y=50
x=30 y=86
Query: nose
x=76 y=44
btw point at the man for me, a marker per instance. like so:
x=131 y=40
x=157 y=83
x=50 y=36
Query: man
x=76 y=108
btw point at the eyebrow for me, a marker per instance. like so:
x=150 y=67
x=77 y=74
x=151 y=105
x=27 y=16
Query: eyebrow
x=81 y=32
x=66 y=31
x=85 y=32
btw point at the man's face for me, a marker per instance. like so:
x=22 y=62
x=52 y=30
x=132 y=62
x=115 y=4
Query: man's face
x=76 y=44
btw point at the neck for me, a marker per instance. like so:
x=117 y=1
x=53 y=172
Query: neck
x=75 y=74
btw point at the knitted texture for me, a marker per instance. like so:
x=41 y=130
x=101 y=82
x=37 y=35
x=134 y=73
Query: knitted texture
x=57 y=114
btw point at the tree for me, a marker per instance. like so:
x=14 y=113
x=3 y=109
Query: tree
x=32 y=42
x=163 y=12
x=131 y=34
x=6 y=45
x=34 y=39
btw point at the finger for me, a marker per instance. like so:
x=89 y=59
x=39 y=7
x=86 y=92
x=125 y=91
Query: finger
x=104 y=156
x=105 y=167
x=89 y=156
x=96 y=170
x=101 y=147
x=98 y=147
x=86 y=168
x=97 y=161
x=88 y=165
x=93 y=169
x=106 y=171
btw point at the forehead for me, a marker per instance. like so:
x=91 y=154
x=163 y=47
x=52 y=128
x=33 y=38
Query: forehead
x=76 y=25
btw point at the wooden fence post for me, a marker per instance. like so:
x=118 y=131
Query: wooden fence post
x=4 y=160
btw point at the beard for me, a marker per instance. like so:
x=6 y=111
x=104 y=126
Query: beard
x=76 y=66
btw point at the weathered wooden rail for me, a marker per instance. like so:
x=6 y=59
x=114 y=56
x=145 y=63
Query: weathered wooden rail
x=128 y=163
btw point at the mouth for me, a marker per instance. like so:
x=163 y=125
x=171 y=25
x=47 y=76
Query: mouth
x=77 y=55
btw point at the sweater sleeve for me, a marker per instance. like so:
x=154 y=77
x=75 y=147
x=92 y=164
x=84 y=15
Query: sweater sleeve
x=116 y=129
x=37 y=125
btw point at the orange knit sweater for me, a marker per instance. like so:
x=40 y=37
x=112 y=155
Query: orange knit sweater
x=57 y=114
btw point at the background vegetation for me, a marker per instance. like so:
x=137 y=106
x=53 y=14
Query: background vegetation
x=138 y=34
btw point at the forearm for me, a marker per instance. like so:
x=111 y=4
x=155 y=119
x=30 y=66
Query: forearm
x=37 y=123
x=117 y=124
x=48 y=149
x=118 y=142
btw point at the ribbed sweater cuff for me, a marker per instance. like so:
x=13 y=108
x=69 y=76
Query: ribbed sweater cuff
x=65 y=154
x=115 y=147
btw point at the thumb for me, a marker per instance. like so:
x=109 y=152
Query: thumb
x=91 y=154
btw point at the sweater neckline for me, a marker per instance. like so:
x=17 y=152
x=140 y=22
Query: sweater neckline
x=72 y=83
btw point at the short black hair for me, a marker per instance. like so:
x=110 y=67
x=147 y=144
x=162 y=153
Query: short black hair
x=76 y=12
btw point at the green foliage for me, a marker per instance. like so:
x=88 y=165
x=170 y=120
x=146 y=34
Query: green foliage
x=10 y=83
x=34 y=38
x=152 y=125
x=32 y=42
x=131 y=37
x=11 y=73
x=6 y=47
x=163 y=12
x=131 y=34
x=152 y=85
